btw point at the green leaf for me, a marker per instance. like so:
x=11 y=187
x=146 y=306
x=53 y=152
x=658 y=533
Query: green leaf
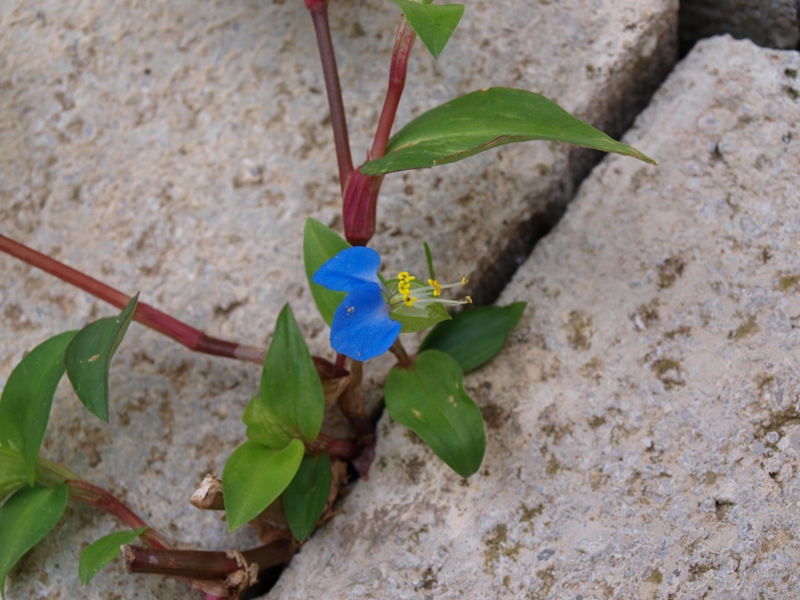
x=100 y=553
x=290 y=388
x=429 y=260
x=263 y=426
x=433 y=23
x=320 y=244
x=255 y=476
x=25 y=518
x=88 y=358
x=435 y=313
x=486 y=119
x=28 y=396
x=474 y=337
x=305 y=498
x=12 y=472
x=430 y=399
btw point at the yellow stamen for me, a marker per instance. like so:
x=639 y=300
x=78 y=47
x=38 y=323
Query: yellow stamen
x=405 y=277
x=437 y=289
x=468 y=299
x=409 y=300
x=464 y=280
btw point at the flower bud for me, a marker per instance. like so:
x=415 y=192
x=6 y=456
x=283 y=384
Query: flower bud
x=360 y=204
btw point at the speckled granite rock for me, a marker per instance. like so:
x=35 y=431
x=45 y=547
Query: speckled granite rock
x=177 y=148
x=644 y=422
x=770 y=23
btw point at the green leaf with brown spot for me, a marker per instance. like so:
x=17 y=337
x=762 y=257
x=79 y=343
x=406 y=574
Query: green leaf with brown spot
x=88 y=358
x=429 y=399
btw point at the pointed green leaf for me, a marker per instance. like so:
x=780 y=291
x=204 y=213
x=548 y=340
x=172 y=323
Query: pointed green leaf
x=483 y=120
x=305 y=498
x=98 y=554
x=433 y=23
x=473 y=337
x=88 y=358
x=320 y=244
x=429 y=260
x=28 y=396
x=290 y=388
x=254 y=476
x=25 y=518
x=430 y=400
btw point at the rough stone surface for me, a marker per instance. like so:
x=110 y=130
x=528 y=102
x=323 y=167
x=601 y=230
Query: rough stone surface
x=177 y=147
x=644 y=421
x=769 y=23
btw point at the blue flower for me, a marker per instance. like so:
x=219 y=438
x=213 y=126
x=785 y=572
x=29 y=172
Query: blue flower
x=362 y=327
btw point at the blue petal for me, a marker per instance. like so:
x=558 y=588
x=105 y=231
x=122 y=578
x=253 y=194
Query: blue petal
x=349 y=270
x=362 y=328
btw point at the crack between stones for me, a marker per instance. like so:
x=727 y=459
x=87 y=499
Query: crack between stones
x=624 y=104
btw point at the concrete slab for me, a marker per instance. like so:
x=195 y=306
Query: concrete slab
x=176 y=148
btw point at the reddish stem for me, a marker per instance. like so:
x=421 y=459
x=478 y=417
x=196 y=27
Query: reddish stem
x=319 y=15
x=340 y=365
x=336 y=447
x=402 y=356
x=397 y=81
x=85 y=492
x=200 y=564
x=192 y=338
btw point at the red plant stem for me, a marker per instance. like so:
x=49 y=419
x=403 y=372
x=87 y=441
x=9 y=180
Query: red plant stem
x=319 y=15
x=336 y=447
x=200 y=564
x=85 y=492
x=402 y=356
x=397 y=81
x=192 y=338
x=340 y=362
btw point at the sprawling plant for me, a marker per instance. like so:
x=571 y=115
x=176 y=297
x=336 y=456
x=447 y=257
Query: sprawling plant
x=285 y=476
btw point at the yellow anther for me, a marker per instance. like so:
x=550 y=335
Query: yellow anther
x=405 y=277
x=468 y=299
x=437 y=289
x=464 y=280
x=409 y=300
